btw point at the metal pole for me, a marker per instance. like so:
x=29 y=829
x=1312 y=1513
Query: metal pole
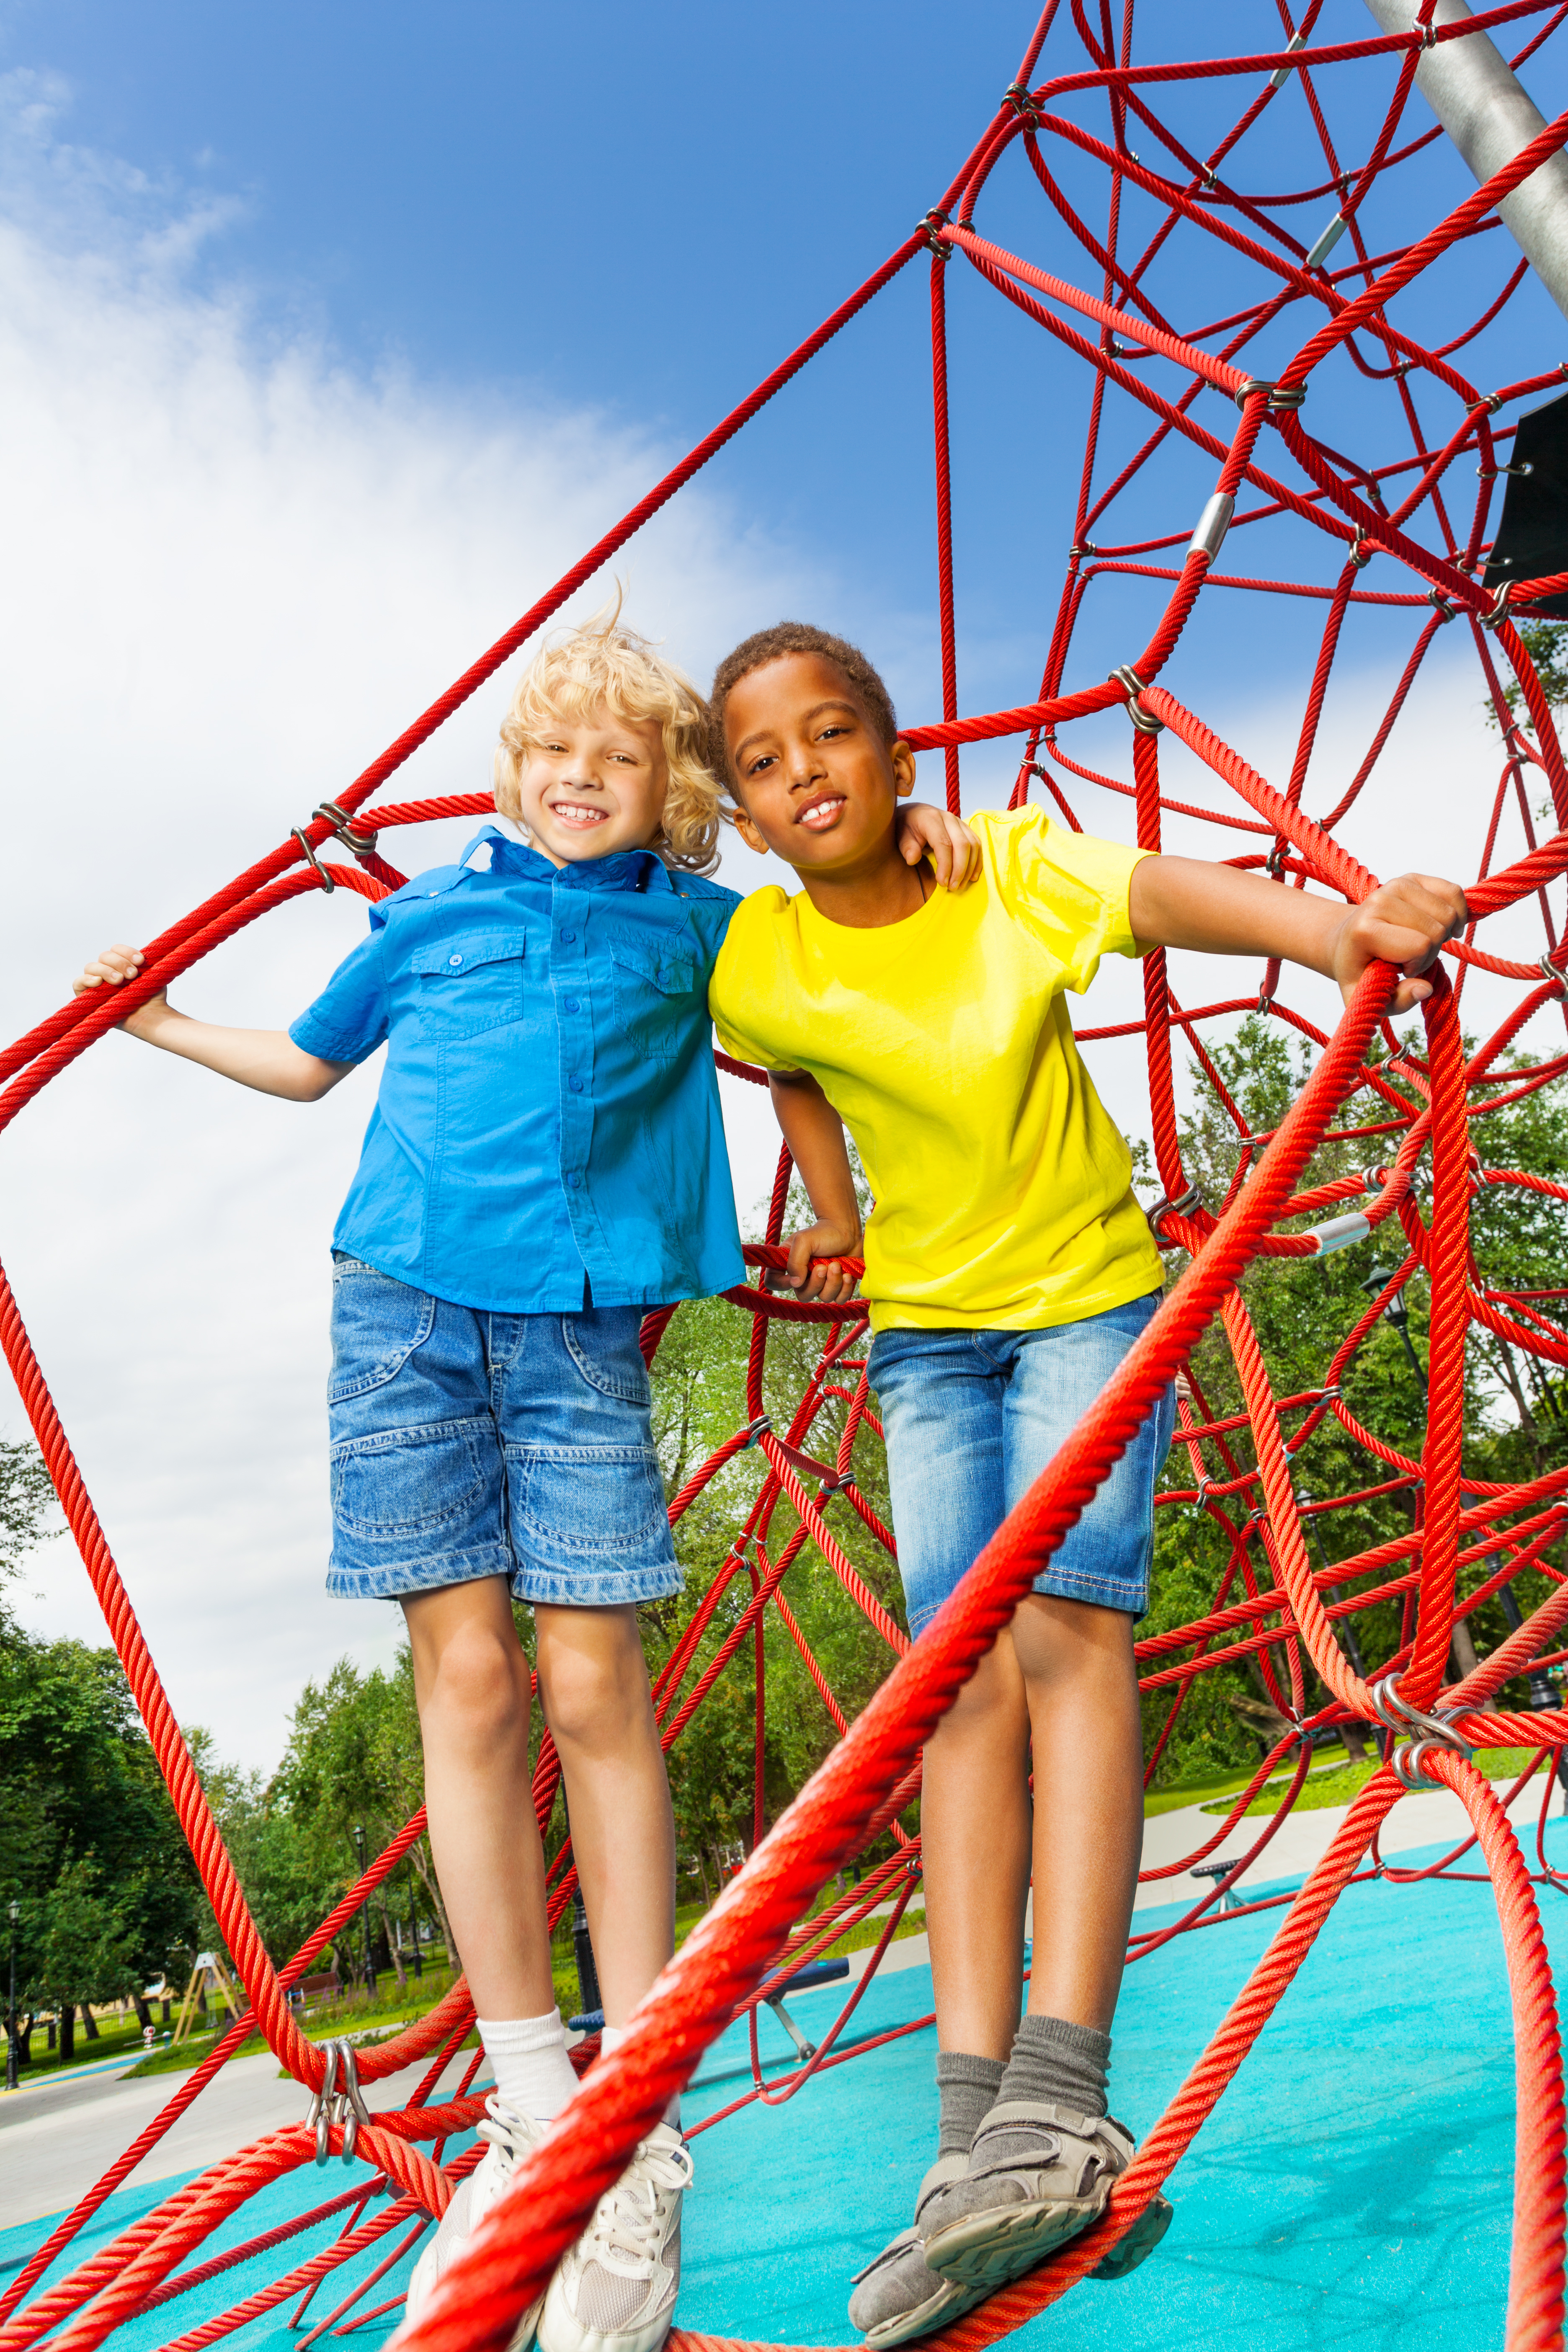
x=11 y=2012
x=364 y=1914
x=1479 y=100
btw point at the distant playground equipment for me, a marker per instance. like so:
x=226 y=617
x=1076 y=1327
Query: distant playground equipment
x=1165 y=168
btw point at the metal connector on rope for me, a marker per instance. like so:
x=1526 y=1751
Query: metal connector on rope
x=1325 y=242
x=345 y=2107
x=1212 y=524
x=932 y=223
x=1191 y=1198
x=1023 y=105
x=1397 y=1715
x=758 y=1429
x=1338 y=1233
x=1498 y=612
x=1144 y=721
x=1281 y=74
x=1559 y=979
x=308 y=855
x=1291 y=397
x=362 y=844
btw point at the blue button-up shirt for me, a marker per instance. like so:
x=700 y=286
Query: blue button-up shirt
x=549 y=1113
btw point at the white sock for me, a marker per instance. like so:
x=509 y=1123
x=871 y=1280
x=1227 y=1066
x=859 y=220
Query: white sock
x=533 y=2075
x=611 y=2039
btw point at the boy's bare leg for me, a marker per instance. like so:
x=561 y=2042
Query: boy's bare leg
x=470 y=1678
x=1077 y=1670
x=974 y=1825
x=593 y=1681
x=1064 y=1674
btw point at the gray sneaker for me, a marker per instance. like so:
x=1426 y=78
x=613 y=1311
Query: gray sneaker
x=1037 y=2174
x=898 y=2296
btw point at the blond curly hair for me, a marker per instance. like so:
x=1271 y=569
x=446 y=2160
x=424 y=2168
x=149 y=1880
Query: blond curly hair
x=602 y=665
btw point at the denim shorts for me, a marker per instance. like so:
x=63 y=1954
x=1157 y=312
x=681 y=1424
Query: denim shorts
x=972 y=1417
x=466 y=1445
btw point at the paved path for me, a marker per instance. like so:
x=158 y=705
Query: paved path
x=1305 y=1838
x=54 y=2145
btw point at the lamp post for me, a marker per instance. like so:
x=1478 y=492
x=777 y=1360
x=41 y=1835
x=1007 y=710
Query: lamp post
x=1397 y=1313
x=364 y=1915
x=11 y=2012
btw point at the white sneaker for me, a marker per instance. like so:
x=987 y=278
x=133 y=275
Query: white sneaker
x=615 y=2290
x=511 y=2137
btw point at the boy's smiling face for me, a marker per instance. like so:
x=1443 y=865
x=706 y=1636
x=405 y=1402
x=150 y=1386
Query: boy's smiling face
x=817 y=784
x=593 y=786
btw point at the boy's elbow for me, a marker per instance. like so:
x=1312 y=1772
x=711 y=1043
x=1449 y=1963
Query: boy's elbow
x=317 y=1078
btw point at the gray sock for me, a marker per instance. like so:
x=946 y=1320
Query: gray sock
x=968 y=2088
x=1053 y=2060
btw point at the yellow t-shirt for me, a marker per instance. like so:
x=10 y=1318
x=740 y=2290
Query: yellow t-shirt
x=1002 y=1188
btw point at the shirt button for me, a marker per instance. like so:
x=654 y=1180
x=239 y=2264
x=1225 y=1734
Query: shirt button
x=567 y=938
x=569 y=1004
x=454 y=960
x=574 y=1180
x=576 y=1084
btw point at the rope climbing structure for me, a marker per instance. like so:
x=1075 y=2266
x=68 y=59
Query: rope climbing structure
x=1155 y=179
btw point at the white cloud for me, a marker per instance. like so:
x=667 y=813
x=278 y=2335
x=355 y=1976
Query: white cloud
x=233 y=570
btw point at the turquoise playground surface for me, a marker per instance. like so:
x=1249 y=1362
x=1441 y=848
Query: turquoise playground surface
x=1352 y=2189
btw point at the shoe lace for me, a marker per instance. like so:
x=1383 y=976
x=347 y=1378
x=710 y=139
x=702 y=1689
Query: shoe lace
x=506 y=2131
x=626 y=2231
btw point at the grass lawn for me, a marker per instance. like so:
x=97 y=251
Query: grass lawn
x=1338 y=1783
x=115 y=2039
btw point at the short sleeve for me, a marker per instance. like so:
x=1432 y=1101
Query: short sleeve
x=738 y=992
x=349 y=1019
x=1072 y=888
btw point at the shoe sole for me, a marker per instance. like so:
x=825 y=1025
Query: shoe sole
x=1140 y=2241
x=991 y=2248
x=949 y=2303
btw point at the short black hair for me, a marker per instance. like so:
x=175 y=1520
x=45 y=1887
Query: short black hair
x=773 y=645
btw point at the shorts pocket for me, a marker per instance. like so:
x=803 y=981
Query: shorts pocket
x=408 y=1482
x=588 y=1503
x=378 y=1323
x=603 y=1344
x=471 y=982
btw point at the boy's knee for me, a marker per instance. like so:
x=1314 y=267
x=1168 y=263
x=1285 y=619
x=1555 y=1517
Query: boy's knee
x=594 y=1693
x=1058 y=1640
x=480 y=1678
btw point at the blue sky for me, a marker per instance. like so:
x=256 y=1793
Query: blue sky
x=328 y=336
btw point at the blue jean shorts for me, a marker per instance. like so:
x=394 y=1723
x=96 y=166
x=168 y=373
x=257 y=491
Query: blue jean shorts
x=972 y=1417
x=466 y=1445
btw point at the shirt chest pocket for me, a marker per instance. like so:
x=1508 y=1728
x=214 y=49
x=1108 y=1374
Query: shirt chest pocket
x=658 y=992
x=470 y=982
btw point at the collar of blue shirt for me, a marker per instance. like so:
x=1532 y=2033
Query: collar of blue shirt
x=628 y=869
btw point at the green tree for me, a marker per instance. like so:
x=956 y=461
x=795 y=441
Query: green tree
x=89 y=1843
x=1302 y=1309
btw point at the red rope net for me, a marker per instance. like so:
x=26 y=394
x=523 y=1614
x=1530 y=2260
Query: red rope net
x=1419 y=507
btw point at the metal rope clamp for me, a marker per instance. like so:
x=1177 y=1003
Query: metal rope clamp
x=345 y=2107
x=308 y=855
x=758 y=1429
x=932 y=223
x=362 y=844
x=1144 y=721
x=1559 y=979
x=1434 y=1731
x=1191 y=1198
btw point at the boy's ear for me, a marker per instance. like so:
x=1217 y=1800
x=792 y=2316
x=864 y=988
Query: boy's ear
x=749 y=834
x=903 y=764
